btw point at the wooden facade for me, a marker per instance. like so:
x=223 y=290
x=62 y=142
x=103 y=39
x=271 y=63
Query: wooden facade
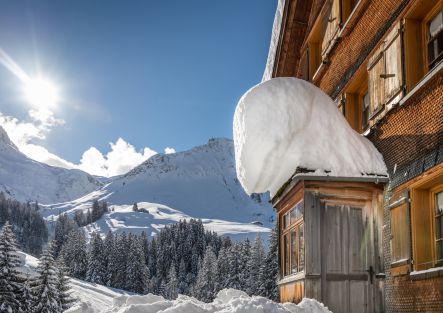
x=381 y=61
x=329 y=241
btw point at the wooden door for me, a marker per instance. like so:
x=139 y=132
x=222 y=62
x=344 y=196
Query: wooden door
x=347 y=259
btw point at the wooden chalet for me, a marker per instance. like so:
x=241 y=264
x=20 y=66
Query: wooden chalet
x=367 y=245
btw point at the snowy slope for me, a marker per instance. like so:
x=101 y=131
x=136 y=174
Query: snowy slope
x=94 y=298
x=199 y=183
x=28 y=180
x=90 y=297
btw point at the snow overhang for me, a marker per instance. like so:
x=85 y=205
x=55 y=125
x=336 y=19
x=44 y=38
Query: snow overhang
x=285 y=124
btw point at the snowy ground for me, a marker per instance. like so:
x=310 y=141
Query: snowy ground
x=227 y=301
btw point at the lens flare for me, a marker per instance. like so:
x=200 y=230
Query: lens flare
x=41 y=93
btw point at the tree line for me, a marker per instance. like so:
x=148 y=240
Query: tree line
x=47 y=292
x=182 y=258
x=27 y=224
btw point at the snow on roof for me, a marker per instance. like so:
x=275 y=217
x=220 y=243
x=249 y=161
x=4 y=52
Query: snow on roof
x=284 y=124
x=275 y=36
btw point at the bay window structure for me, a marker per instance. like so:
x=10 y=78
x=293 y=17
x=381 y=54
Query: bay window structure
x=293 y=240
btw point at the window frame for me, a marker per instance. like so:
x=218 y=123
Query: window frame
x=427 y=37
x=422 y=212
x=286 y=231
x=433 y=194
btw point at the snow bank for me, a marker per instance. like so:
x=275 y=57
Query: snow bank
x=227 y=301
x=286 y=123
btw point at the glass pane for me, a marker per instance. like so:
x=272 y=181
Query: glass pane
x=296 y=212
x=439 y=203
x=439 y=227
x=286 y=255
x=439 y=253
x=301 y=247
x=294 y=252
x=366 y=100
x=285 y=220
x=436 y=24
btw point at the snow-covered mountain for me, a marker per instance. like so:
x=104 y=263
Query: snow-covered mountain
x=28 y=180
x=198 y=183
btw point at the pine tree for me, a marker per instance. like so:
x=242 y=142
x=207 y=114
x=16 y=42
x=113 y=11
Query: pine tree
x=234 y=280
x=171 y=288
x=204 y=288
x=121 y=261
x=223 y=270
x=269 y=270
x=244 y=264
x=64 y=297
x=135 y=207
x=27 y=297
x=45 y=291
x=10 y=280
x=136 y=271
x=96 y=272
x=109 y=247
x=74 y=254
x=182 y=283
x=254 y=265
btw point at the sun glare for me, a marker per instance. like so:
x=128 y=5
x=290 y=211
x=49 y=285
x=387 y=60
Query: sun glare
x=41 y=93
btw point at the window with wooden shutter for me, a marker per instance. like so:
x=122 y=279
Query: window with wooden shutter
x=376 y=70
x=393 y=72
x=333 y=25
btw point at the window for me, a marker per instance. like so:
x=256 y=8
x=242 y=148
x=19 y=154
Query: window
x=357 y=102
x=435 y=40
x=438 y=213
x=293 y=240
x=323 y=35
x=427 y=220
x=365 y=110
x=423 y=40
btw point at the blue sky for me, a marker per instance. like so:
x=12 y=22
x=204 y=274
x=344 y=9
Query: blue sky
x=155 y=73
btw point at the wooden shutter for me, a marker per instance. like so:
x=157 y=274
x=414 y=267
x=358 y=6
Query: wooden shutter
x=376 y=82
x=422 y=236
x=332 y=26
x=393 y=75
x=413 y=40
x=400 y=243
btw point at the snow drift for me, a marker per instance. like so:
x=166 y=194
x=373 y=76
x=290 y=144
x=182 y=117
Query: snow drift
x=286 y=123
x=227 y=301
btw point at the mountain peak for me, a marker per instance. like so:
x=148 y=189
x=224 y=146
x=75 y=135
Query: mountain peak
x=4 y=138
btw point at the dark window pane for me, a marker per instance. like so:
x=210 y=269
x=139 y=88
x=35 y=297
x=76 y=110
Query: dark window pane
x=439 y=253
x=301 y=247
x=294 y=252
x=286 y=255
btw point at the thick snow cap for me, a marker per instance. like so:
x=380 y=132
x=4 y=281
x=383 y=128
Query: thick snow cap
x=286 y=123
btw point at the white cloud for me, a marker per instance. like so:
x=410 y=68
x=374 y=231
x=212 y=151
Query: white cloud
x=169 y=150
x=121 y=158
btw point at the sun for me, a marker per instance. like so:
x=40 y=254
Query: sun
x=41 y=92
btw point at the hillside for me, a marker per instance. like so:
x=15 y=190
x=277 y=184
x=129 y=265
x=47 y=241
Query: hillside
x=28 y=180
x=198 y=183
